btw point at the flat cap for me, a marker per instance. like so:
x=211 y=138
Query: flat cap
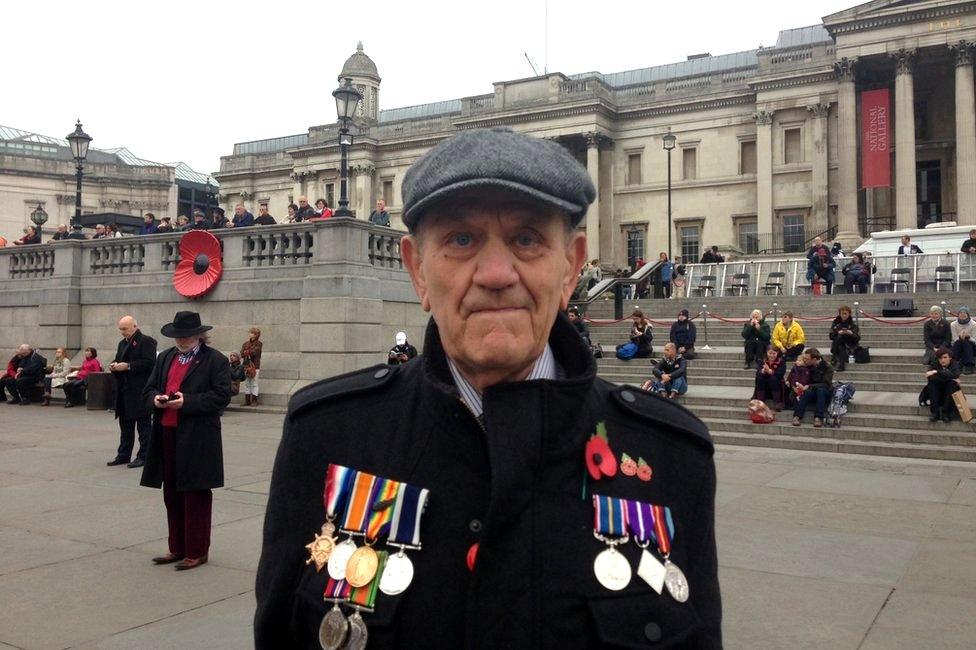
x=497 y=158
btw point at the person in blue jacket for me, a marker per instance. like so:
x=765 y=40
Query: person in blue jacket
x=683 y=335
x=667 y=274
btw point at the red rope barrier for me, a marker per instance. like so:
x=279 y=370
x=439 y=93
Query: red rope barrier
x=896 y=324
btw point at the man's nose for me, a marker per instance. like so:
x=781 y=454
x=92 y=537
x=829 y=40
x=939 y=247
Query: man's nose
x=495 y=266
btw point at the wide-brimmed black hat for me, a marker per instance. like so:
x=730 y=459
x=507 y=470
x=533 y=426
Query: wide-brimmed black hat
x=185 y=323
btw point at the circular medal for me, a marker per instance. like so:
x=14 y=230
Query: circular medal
x=675 y=581
x=361 y=567
x=612 y=569
x=339 y=558
x=358 y=634
x=332 y=632
x=397 y=575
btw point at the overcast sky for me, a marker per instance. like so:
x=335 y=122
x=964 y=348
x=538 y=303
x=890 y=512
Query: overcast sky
x=186 y=80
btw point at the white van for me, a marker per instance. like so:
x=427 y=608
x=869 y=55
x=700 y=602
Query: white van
x=944 y=237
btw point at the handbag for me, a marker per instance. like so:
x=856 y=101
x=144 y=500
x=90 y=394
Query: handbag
x=250 y=371
x=862 y=354
x=962 y=405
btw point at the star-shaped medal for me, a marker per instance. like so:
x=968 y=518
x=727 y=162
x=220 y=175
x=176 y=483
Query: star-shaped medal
x=320 y=548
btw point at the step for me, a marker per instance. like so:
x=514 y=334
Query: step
x=703 y=362
x=637 y=377
x=810 y=443
x=864 y=403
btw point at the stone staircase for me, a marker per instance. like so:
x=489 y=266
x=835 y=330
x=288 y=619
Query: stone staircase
x=884 y=417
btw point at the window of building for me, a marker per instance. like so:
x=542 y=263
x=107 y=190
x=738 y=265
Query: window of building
x=690 y=243
x=635 y=247
x=794 y=233
x=388 y=192
x=634 y=169
x=793 y=149
x=329 y=195
x=749 y=237
x=689 y=163
x=747 y=157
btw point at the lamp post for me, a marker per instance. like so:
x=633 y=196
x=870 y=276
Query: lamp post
x=79 y=141
x=347 y=98
x=669 y=141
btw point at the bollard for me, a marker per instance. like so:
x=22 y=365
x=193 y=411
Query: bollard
x=775 y=312
x=618 y=302
x=857 y=313
x=705 y=326
x=945 y=314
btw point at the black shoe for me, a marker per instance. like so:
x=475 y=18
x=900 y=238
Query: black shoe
x=25 y=402
x=138 y=462
x=68 y=405
x=118 y=461
x=935 y=417
x=945 y=417
x=841 y=368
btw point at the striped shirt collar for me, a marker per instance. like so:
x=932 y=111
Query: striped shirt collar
x=545 y=368
x=185 y=357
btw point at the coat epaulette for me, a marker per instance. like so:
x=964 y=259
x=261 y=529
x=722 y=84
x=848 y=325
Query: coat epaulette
x=662 y=412
x=351 y=383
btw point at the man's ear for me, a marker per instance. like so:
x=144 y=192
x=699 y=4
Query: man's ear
x=413 y=260
x=576 y=256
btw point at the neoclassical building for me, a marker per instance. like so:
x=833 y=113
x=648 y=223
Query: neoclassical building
x=773 y=146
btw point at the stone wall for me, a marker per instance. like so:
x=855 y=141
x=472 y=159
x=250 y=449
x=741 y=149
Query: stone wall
x=328 y=296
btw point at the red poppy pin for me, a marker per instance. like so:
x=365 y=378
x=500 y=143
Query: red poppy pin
x=200 y=264
x=600 y=460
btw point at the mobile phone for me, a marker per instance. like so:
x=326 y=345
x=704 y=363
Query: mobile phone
x=172 y=396
x=163 y=398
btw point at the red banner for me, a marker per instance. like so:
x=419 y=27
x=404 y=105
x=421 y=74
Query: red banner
x=875 y=138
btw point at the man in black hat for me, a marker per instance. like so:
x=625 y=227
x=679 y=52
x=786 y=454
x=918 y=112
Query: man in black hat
x=188 y=389
x=529 y=459
x=135 y=357
x=200 y=221
x=218 y=219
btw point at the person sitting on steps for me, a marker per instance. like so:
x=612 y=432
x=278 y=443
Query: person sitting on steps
x=670 y=374
x=818 y=391
x=963 y=347
x=942 y=381
x=844 y=336
x=788 y=337
x=756 y=335
x=936 y=333
x=769 y=380
x=796 y=381
x=683 y=334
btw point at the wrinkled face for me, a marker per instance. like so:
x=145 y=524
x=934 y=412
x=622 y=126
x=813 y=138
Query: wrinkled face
x=239 y=210
x=234 y=357
x=493 y=273
x=302 y=202
x=62 y=228
x=100 y=229
x=23 y=351
x=670 y=352
x=186 y=343
x=934 y=315
x=127 y=327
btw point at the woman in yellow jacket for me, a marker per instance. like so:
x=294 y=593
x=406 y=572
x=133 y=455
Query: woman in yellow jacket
x=788 y=337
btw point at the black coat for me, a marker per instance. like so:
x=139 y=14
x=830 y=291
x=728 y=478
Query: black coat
x=513 y=485
x=32 y=366
x=140 y=354
x=199 y=453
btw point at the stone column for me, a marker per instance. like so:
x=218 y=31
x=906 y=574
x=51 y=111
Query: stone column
x=593 y=214
x=764 y=171
x=364 y=190
x=848 y=232
x=965 y=134
x=906 y=200
x=818 y=184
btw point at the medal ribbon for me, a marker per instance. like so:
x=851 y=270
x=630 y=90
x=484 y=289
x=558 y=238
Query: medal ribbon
x=337 y=483
x=640 y=520
x=410 y=504
x=382 y=501
x=365 y=596
x=609 y=516
x=663 y=530
x=359 y=502
x=336 y=590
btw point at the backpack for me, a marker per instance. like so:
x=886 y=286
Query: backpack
x=862 y=354
x=626 y=351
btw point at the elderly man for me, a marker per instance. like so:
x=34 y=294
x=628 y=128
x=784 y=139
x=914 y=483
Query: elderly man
x=380 y=216
x=505 y=433
x=200 y=221
x=134 y=360
x=29 y=370
x=305 y=211
x=100 y=232
x=242 y=218
x=62 y=233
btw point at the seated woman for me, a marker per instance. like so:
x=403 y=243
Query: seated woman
x=683 y=335
x=756 y=335
x=670 y=373
x=75 y=386
x=936 y=333
x=769 y=380
x=963 y=347
x=942 y=381
x=857 y=274
x=60 y=369
x=844 y=337
x=797 y=380
x=641 y=335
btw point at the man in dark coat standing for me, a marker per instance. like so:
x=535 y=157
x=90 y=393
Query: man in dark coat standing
x=525 y=455
x=188 y=389
x=134 y=361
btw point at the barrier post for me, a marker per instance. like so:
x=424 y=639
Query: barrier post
x=945 y=314
x=857 y=313
x=775 y=312
x=705 y=326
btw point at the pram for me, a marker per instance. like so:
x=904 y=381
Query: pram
x=843 y=393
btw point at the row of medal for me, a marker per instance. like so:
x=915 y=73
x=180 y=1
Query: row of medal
x=615 y=522
x=368 y=507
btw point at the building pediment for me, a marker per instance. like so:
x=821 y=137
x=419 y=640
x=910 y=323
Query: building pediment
x=882 y=13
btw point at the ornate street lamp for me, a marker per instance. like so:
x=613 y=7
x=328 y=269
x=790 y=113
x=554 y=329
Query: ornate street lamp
x=39 y=217
x=669 y=141
x=79 y=141
x=347 y=99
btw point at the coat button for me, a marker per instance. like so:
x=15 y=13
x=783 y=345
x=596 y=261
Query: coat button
x=382 y=372
x=474 y=525
x=628 y=396
x=653 y=632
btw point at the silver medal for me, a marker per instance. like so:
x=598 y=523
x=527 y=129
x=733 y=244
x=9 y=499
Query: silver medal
x=339 y=558
x=675 y=581
x=612 y=569
x=332 y=632
x=397 y=575
x=358 y=634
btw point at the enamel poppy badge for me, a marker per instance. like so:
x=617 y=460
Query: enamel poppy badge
x=600 y=459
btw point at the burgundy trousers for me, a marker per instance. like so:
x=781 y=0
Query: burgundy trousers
x=187 y=513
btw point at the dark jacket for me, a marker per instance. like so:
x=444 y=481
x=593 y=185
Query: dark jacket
x=513 y=486
x=710 y=257
x=642 y=339
x=952 y=371
x=199 y=452
x=379 y=218
x=200 y=225
x=750 y=333
x=683 y=334
x=676 y=367
x=265 y=220
x=140 y=354
x=822 y=375
x=148 y=229
x=243 y=221
x=305 y=213
x=237 y=372
x=32 y=366
x=912 y=249
x=392 y=358
x=966 y=245
x=845 y=324
x=582 y=329
x=935 y=334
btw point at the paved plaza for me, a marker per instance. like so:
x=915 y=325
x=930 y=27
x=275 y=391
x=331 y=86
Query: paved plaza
x=816 y=550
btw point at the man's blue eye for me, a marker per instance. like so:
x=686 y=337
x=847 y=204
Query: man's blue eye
x=462 y=239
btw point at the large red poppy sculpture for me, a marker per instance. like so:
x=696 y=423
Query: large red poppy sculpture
x=200 y=266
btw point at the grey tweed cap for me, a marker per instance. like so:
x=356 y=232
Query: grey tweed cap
x=497 y=158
